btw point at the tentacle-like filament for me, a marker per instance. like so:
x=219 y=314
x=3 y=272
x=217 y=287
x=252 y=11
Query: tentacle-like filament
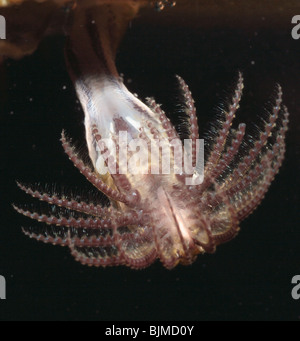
x=159 y=216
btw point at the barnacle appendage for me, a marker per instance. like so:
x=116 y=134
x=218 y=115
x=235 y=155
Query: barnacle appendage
x=159 y=216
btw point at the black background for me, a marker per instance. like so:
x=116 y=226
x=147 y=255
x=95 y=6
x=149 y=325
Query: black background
x=248 y=278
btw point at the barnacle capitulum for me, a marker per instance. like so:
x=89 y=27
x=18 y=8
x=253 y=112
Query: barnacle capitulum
x=152 y=216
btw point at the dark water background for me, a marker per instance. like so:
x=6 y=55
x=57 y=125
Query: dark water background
x=248 y=278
